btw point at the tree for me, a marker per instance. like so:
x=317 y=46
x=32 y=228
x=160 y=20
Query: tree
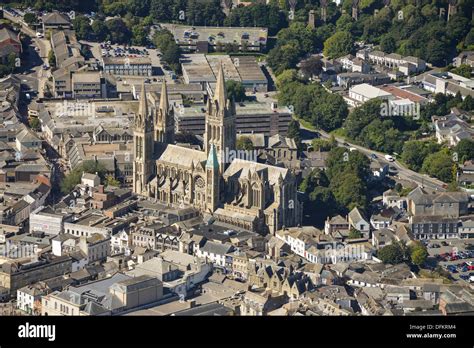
x=463 y=70
x=362 y=116
x=139 y=8
x=419 y=254
x=316 y=178
x=468 y=103
x=340 y=44
x=388 y=44
x=74 y=177
x=294 y=133
x=99 y=29
x=439 y=165
x=111 y=181
x=394 y=253
x=329 y=112
x=283 y=57
x=139 y=35
x=51 y=59
x=415 y=151
x=118 y=31
x=30 y=18
x=235 y=90
x=349 y=190
x=244 y=143
x=312 y=66
x=354 y=234
x=285 y=78
x=82 y=27
x=165 y=42
x=465 y=150
x=391 y=254
x=323 y=145
x=34 y=123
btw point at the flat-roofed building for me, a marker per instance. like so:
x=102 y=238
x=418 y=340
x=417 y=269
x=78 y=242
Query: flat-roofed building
x=251 y=74
x=448 y=83
x=127 y=66
x=203 y=69
x=87 y=85
x=47 y=220
x=176 y=92
x=136 y=292
x=255 y=117
x=245 y=38
x=90 y=224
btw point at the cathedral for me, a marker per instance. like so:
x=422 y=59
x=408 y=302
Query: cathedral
x=242 y=193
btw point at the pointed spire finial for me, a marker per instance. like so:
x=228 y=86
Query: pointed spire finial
x=221 y=95
x=143 y=106
x=212 y=161
x=164 y=105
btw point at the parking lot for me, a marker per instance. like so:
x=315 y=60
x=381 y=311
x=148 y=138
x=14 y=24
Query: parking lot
x=455 y=257
x=100 y=50
x=108 y=50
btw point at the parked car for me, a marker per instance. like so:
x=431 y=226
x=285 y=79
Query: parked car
x=464 y=277
x=451 y=268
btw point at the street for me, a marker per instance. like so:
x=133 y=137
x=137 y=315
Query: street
x=403 y=173
x=32 y=67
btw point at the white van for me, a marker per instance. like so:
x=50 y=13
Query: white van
x=389 y=158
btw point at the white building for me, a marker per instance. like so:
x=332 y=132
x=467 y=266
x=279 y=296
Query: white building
x=63 y=244
x=46 y=220
x=96 y=247
x=27 y=140
x=359 y=222
x=392 y=199
x=91 y=180
x=120 y=242
x=195 y=270
x=378 y=221
x=359 y=94
x=215 y=252
x=28 y=298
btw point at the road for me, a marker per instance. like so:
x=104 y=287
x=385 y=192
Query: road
x=403 y=172
x=44 y=47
